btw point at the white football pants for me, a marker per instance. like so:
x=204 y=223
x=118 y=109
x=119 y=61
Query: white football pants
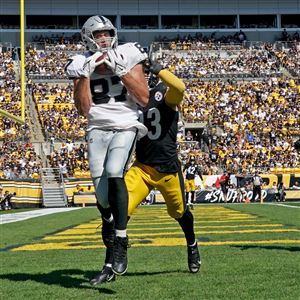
x=109 y=153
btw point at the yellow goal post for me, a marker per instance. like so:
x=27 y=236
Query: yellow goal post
x=20 y=119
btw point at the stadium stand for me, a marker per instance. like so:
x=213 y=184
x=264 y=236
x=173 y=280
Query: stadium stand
x=241 y=107
x=10 y=100
x=240 y=93
x=19 y=161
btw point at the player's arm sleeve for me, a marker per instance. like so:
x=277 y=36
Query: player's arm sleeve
x=134 y=54
x=134 y=79
x=74 y=65
x=176 y=87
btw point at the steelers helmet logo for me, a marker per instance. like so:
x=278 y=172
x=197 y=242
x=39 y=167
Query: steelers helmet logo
x=158 y=96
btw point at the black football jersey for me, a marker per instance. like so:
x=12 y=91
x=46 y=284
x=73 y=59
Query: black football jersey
x=191 y=171
x=158 y=147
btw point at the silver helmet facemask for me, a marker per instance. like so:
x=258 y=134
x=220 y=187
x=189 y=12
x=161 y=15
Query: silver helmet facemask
x=95 y=24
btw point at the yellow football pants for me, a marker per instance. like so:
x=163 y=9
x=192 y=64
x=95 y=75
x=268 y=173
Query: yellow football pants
x=141 y=179
x=190 y=185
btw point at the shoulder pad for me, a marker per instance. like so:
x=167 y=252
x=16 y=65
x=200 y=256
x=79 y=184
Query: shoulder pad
x=134 y=54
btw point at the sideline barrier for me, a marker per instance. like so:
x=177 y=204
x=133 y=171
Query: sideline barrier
x=233 y=196
x=84 y=199
x=29 y=192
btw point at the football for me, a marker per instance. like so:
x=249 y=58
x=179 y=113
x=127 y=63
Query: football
x=102 y=69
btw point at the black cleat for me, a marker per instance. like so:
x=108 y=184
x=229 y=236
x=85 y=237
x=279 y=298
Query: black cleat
x=106 y=275
x=119 y=265
x=194 y=260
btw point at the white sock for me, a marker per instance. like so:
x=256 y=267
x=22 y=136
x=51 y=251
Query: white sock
x=121 y=233
x=110 y=220
x=193 y=245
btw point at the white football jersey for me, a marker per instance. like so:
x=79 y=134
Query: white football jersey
x=112 y=106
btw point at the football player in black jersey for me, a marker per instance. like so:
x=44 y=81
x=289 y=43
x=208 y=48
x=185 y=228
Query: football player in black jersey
x=191 y=169
x=157 y=164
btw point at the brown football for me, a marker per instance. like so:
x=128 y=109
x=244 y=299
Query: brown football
x=102 y=69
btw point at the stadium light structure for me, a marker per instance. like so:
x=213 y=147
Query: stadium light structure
x=20 y=119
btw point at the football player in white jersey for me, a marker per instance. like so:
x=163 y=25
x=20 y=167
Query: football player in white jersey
x=109 y=81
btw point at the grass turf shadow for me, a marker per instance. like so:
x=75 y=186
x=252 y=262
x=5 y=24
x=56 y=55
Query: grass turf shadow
x=273 y=247
x=146 y=273
x=67 y=278
x=64 y=278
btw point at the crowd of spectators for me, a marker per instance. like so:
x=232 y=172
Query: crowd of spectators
x=58 y=115
x=200 y=41
x=258 y=121
x=244 y=62
x=258 y=118
x=19 y=161
x=10 y=100
x=288 y=37
x=290 y=59
x=42 y=63
x=58 y=39
x=71 y=159
x=250 y=122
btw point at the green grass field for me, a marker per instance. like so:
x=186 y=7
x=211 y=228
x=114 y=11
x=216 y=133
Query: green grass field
x=249 y=251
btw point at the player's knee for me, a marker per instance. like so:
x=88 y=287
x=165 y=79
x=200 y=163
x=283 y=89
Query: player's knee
x=102 y=202
x=186 y=215
x=176 y=213
x=115 y=172
x=100 y=196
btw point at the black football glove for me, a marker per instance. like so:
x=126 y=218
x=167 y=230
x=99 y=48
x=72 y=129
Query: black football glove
x=153 y=67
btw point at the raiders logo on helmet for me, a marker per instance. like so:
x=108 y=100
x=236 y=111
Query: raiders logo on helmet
x=158 y=96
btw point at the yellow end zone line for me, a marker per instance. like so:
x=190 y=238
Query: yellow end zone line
x=158 y=243
x=196 y=219
x=196 y=222
x=211 y=213
x=205 y=216
x=162 y=206
x=72 y=233
x=90 y=226
x=141 y=226
x=140 y=235
x=171 y=221
x=196 y=215
x=154 y=213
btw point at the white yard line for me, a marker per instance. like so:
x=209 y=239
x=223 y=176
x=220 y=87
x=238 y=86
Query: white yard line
x=21 y=216
x=284 y=205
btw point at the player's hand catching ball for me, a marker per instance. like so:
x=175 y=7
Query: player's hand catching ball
x=91 y=63
x=116 y=62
